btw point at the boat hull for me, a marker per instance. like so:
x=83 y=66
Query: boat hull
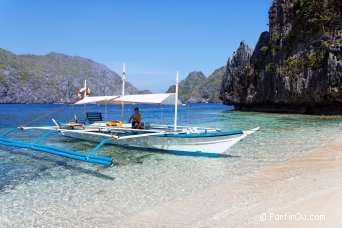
x=185 y=144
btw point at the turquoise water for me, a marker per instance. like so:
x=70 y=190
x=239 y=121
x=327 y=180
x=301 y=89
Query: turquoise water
x=38 y=189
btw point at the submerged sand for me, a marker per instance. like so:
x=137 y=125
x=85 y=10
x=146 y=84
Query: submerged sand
x=310 y=185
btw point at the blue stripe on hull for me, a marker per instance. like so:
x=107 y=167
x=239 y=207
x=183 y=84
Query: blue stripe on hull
x=177 y=152
x=201 y=135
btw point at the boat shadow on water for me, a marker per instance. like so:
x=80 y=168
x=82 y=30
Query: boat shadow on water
x=230 y=156
x=152 y=152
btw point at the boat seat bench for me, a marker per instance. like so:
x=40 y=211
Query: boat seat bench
x=94 y=117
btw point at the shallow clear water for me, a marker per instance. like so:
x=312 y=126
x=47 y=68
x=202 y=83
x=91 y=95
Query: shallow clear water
x=38 y=188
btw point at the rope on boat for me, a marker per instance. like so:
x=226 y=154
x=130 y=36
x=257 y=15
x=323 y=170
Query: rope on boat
x=43 y=116
x=51 y=112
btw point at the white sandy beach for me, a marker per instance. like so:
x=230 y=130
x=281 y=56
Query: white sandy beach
x=308 y=185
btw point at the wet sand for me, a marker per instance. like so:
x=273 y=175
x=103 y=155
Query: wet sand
x=307 y=185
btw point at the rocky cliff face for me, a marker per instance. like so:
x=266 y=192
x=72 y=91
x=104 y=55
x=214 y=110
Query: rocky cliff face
x=54 y=78
x=295 y=67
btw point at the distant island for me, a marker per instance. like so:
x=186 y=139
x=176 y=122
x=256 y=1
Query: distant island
x=197 y=88
x=54 y=78
x=295 y=67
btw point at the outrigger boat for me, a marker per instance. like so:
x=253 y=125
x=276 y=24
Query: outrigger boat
x=180 y=140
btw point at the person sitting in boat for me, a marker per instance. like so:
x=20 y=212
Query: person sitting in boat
x=135 y=118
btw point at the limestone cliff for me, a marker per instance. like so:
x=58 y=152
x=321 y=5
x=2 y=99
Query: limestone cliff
x=295 y=67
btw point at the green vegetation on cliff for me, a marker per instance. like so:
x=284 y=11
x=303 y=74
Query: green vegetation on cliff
x=296 y=66
x=186 y=86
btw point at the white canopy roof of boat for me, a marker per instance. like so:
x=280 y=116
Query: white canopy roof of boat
x=161 y=98
x=101 y=100
x=157 y=98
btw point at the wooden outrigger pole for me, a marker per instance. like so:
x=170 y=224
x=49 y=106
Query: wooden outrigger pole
x=85 y=95
x=123 y=78
x=176 y=104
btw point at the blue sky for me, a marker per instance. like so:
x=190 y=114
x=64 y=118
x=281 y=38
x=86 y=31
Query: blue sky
x=153 y=38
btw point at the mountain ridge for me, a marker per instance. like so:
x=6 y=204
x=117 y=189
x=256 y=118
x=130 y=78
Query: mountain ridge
x=197 y=88
x=54 y=78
